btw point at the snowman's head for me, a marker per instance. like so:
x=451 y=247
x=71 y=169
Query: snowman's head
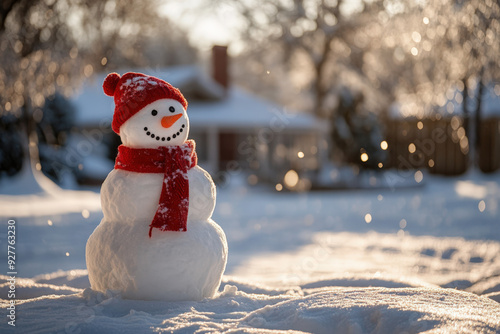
x=149 y=112
x=161 y=123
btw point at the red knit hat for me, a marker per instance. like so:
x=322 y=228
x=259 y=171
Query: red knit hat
x=134 y=91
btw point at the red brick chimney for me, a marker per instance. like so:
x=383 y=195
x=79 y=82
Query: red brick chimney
x=220 y=65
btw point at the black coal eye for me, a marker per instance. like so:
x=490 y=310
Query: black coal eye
x=154 y=112
x=172 y=109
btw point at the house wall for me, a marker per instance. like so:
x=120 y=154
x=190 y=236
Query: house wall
x=299 y=151
x=267 y=158
x=219 y=149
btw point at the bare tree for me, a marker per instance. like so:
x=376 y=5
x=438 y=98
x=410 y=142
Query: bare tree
x=396 y=47
x=49 y=46
x=318 y=41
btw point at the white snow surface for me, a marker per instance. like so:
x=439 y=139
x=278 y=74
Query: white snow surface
x=30 y=193
x=298 y=263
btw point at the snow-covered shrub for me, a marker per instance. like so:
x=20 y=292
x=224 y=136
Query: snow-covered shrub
x=357 y=132
x=54 y=122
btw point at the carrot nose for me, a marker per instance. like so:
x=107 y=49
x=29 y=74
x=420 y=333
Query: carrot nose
x=168 y=121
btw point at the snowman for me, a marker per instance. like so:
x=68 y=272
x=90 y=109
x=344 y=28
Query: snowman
x=157 y=240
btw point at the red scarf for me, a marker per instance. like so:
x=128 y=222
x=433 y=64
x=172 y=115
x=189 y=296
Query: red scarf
x=173 y=162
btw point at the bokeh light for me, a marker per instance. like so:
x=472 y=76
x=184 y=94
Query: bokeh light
x=402 y=223
x=419 y=176
x=252 y=179
x=291 y=179
x=481 y=206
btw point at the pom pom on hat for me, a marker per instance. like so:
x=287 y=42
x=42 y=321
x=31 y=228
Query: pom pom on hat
x=133 y=91
x=109 y=85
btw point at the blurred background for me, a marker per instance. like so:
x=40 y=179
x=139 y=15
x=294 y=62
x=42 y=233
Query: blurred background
x=299 y=95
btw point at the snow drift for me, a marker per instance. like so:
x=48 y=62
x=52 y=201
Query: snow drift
x=246 y=308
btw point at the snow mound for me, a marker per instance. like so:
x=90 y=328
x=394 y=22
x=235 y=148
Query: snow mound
x=379 y=310
x=259 y=309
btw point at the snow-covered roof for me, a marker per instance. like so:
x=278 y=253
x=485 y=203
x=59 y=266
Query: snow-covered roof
x=240 y=109
x=209 y=104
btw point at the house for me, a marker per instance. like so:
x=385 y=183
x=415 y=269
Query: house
x=234 y=129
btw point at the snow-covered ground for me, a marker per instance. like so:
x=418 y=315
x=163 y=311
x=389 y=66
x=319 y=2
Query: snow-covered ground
x=421 y=259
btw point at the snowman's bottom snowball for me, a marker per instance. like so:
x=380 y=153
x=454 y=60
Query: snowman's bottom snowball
x=169 y=266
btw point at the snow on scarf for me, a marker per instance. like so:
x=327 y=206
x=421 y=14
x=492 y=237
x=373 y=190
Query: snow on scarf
x=173 y=162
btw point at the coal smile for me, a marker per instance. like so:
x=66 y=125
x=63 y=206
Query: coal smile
x=158 y=138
